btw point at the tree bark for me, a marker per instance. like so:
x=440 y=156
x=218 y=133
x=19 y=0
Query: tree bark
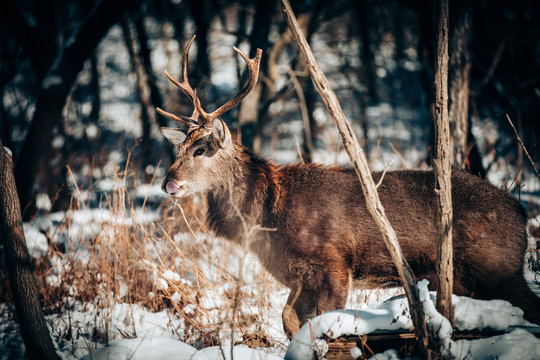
x=442 y=169
x=35 y=333
x=144 y=54
x=148 y=114
x=459 y=68
x=367 y=57
x=364 y=175
x=202 y=72
x=248 y=116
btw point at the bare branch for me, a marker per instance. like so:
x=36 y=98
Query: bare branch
x=523 y=146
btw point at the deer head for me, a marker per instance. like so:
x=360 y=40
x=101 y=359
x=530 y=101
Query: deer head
x=206 y=141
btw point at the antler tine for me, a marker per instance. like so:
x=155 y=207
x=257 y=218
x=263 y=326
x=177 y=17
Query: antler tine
x=186 y=88
x=184 y=85
x=253 y=68
x=183 y=119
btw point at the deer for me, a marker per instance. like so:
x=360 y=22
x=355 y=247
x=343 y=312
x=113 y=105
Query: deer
x=324 y=241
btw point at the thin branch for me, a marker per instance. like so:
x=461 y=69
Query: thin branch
x=384 y=173
x=523 y=146
x=305 y=111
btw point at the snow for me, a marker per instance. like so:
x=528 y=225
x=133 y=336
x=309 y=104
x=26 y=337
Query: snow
x=8 y=151
x=516 y=345
x=35 y=241
x=469 y=314
x=157 y=348
x=163 y=348
x=390 y=315
x=50 y=81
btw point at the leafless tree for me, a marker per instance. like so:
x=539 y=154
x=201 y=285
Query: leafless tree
x=442 y=169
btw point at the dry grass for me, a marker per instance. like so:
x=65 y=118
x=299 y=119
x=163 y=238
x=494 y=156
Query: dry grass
x=170 y=263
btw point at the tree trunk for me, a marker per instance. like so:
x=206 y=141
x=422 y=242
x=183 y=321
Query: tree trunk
x=442 y=169
x=201 y=24
x=367 y=58
x=148 y=114
x=35 y=333
x=459 y=72
x=96 y=102
x=144 y=54
x=364 y=175
x=248 y=116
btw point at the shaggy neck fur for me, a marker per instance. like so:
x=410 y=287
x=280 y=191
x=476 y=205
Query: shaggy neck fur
x=246 y=196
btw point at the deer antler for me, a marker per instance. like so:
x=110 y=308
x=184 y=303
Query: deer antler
x=186 y=88
x=253 y=68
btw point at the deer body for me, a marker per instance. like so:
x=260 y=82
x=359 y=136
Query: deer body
x=323 y=239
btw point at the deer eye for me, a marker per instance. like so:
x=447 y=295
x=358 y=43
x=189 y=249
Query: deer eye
x=198 y=152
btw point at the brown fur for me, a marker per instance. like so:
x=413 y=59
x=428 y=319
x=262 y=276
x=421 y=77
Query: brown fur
x=324 y=236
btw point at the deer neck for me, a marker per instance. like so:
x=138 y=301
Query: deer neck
x=246 y=198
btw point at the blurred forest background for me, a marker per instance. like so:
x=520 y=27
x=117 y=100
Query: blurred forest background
x=80 y=80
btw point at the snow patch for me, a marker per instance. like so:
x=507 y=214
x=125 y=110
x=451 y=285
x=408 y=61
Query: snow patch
x=469 y=314
x=50 y=81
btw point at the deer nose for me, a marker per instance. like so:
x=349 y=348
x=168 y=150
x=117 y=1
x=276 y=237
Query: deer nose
x=171 y=187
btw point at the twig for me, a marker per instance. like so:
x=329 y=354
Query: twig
x=384 y=173
x=523 y=146
x=298 y=149
x=401 y=158
x=304 y=109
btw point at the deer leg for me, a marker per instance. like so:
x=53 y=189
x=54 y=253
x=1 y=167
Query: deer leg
x=306 y=302
x=291 y=322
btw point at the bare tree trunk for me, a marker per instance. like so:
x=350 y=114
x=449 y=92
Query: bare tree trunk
x=144 y=55
x=442 y=169
x=202 y=72
x=148 y=115
x=35 y=333
x=459 y=67
x=364 y=175
x=248 y=116
x=96 y=102
x=367 y=57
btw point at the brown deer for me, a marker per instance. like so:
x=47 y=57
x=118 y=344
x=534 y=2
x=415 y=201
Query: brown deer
x=324 y=240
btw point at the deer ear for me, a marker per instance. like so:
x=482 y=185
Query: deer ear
x=175 y=136
x=221 y=133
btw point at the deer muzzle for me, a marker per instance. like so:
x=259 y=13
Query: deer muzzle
x=174 y=189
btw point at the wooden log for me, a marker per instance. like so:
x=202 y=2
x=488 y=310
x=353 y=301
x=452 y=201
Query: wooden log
x=403 y=341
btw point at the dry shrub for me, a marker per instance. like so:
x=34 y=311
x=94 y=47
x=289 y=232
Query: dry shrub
x=171 y=263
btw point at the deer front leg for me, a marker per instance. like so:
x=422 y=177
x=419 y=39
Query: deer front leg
x=305 y=303
x=291 y=321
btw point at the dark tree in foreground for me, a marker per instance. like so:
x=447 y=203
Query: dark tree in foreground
x=37 y=339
